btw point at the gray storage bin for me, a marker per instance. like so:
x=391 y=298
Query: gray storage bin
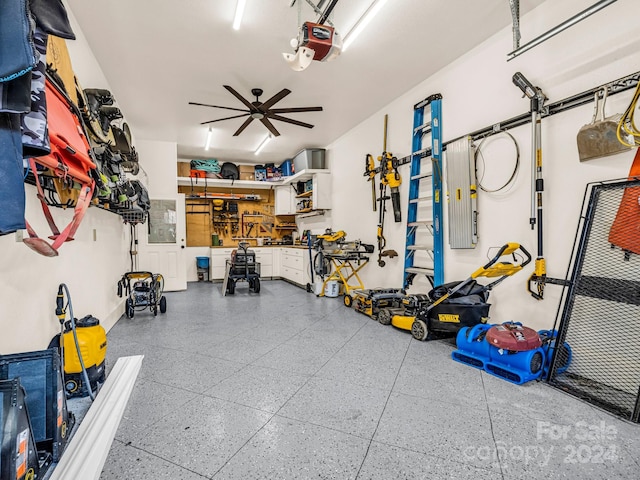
x=309 y=158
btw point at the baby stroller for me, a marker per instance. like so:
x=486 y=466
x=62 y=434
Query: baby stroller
x=146 y=292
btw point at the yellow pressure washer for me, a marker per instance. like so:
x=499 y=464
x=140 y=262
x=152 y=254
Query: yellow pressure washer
x=83 y=345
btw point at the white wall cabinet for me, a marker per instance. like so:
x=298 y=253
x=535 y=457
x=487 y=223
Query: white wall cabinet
x=318 y=198
x=284 y=200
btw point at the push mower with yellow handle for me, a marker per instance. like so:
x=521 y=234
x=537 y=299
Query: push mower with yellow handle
x=460 y=304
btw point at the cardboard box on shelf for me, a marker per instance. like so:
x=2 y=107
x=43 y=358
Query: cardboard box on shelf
x=247 y=172
x=184 y=168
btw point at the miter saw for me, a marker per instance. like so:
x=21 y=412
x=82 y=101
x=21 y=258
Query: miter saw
x=339 y=261
x=335 y=243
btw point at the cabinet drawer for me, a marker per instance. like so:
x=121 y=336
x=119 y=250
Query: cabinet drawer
x=293 y=275
x=294 y=263
x=294 y=252
x=264 y=258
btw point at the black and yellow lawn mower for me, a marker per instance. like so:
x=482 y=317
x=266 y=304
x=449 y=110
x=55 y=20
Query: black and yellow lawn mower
x=459 y=304
x=377 y=303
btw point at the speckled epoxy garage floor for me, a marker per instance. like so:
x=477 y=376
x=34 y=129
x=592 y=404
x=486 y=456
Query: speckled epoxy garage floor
x=285 y=385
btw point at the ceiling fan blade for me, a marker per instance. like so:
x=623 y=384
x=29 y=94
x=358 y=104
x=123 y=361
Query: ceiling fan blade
x=243 y=126
x=298 y=109
x=217 y=106
x=289 y=120
x=275 y=99
x=246 y=102
x=226 y=118
x=270 y=126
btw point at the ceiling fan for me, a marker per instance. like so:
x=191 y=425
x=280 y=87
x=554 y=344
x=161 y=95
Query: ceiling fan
x=262 y=111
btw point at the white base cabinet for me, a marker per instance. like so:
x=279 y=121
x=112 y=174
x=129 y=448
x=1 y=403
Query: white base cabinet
x=294 y=265
x=219 y=257
x=275 y=262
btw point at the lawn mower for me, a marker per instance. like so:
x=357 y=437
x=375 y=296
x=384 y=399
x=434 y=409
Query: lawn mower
x=403 y=318
x=377 y=303
x=146 y=292
x=242 y=267
x=462 y=304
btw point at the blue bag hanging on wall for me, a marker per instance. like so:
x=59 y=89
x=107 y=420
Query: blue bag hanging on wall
x=17 y=56
x=12 y=198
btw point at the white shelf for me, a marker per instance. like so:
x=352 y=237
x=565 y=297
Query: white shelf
x=304 y=175
x=221 y=182
x=224 y=183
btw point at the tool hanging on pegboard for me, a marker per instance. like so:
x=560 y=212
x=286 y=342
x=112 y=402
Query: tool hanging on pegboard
x=389 y=177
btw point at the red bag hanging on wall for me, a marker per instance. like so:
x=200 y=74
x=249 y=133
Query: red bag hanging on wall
x=69 y=161
x=625 y=231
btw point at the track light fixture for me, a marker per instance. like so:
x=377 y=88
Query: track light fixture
x=263 y=144
x=362 y=22
x=237 y=19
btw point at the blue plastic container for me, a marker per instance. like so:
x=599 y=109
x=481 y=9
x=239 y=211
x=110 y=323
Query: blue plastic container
x=286 y=168
x=202 y=262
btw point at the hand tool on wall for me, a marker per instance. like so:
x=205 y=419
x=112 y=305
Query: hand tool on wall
x=537 y=99
x=370 y=171
x=389 y=177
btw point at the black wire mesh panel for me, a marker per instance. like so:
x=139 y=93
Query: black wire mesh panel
x=601 y=313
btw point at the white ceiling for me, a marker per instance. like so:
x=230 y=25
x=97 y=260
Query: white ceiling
x=158 y=55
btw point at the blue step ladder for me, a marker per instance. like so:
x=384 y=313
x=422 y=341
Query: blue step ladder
x=424 y=217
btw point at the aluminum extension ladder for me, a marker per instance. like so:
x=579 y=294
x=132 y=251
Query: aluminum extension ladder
x=425 y=214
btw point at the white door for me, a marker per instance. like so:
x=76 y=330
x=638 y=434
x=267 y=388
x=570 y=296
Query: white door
x=162 y=245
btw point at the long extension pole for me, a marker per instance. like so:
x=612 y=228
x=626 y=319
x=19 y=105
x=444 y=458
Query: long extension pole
x=537 y=99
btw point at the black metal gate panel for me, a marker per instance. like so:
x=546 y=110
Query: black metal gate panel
x=600 y=316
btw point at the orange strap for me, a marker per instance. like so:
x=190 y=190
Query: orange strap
x=635 y=166
x=83 y=202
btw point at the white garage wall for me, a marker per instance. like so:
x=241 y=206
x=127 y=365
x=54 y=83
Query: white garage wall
x=478 y=91
x=91 y=265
